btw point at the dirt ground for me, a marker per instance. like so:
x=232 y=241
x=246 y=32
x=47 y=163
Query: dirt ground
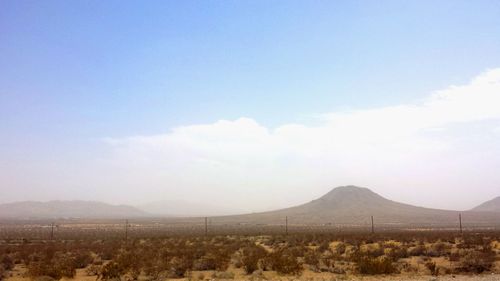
x=418 y=272
x=18 y=275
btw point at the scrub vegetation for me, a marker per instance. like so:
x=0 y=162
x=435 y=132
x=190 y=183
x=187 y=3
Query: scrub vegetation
x=252 y=256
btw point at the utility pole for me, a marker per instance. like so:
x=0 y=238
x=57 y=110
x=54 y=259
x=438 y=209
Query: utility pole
x=206 y=226
x=52 y=231
x=373 y=227
x=460 y=221
x=286 y=225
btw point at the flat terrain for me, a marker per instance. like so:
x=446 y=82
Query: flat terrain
x=19 y=274
x=91 y=251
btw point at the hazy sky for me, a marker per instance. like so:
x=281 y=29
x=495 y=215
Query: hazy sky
x=249 y=105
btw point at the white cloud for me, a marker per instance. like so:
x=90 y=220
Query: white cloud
x=381 y=147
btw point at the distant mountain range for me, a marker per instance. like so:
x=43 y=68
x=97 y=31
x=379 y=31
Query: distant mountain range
x=67 y=209
x=351 y=205
x=179 y=208
x=346 y=205
x=489 y=206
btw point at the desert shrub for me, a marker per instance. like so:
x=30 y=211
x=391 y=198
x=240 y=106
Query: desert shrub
x=323 y=246
x=431 y=266
x=236 y=260
x=300 y=251
x=406 y=267
x=312 y=258
x=469 y=241
x=454 y=257
x=380 y=265
x=222 y=258
x=437 y=250
x=82 y=259
x=93 y=270
x=179 y=266
x=7 y=262
x=108 y=250
x=284 y=262
x=477 y=261
x=36 y=269
x=418 y=250
x=397 y=253
x=2 y=272
x=353 y=254
x=110 y=271
x=65 y=267
x=207 y=262
x=251 y=255
x=127 y=260
x=375 y=252
x=327 y=262
x=134 y=273
x=155 y=270
x=57 y=267
x=160 y=257
x=340 y=248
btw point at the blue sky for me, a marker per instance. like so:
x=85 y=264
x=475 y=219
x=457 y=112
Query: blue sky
x=75 y=72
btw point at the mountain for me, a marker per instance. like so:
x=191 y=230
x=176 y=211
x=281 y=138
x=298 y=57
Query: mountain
x=352 y=205
x=345 y=206
x=67 y=209
x=179 y=208
x=489 y=206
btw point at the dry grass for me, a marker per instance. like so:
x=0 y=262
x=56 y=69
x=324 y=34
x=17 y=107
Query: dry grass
x=306 y=256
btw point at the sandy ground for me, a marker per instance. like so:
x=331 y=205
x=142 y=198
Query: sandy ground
x=18 y=275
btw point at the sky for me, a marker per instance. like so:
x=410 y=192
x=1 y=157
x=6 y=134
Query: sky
x=249 y=105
